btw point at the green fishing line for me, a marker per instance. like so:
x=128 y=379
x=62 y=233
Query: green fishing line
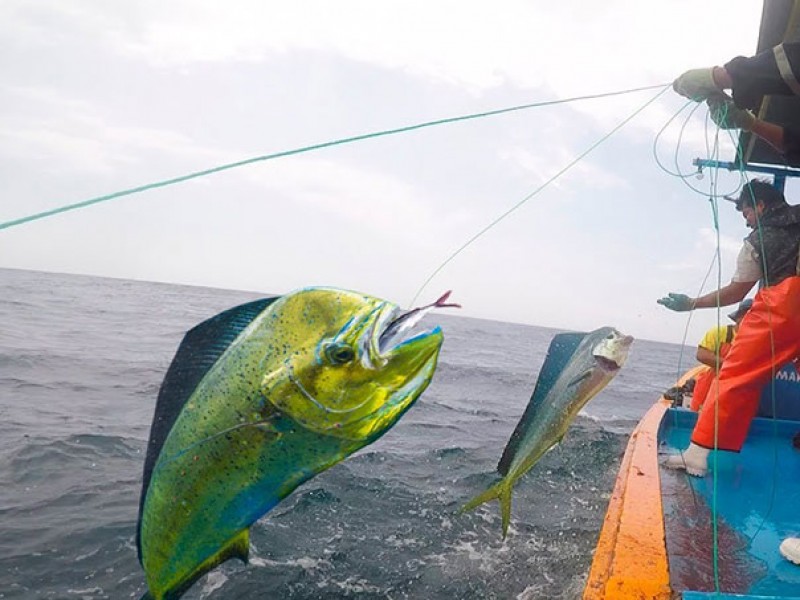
x=339 y=142
x=575 y=161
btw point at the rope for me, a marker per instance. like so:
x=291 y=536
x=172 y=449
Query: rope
x=677 y=172
x=320 y=146
x=712 y=151
x=714 y=495
x=713 y=198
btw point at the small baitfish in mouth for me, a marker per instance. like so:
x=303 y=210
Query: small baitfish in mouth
x=405 y=321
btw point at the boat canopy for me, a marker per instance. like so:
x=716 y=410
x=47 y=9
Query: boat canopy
x=780 y=22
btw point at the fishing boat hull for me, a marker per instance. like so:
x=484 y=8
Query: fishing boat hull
x=667 y=535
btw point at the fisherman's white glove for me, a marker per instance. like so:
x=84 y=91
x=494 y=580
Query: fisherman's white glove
x=677 y=302
x=696 y=84
x=727 y=115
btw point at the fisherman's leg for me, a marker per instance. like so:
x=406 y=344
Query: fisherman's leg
x=732 y=406
x=702 y=384
x=790 y=549
x=729 y=408
x=768 y=336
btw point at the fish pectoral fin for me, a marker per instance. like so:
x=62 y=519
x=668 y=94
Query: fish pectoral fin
x=240 y=547
x=268 y=428
x=582 y=377
x=273 y=424
x=237 y=547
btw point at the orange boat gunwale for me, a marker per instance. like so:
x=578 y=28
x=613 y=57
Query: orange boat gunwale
x=630 y=559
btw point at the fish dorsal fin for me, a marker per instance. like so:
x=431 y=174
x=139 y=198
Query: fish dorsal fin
x=199 y=350
x=562 y=348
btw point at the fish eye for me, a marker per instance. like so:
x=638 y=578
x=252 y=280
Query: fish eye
x=338 y=353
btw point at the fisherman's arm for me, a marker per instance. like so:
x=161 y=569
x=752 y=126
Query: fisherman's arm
x=774 y=71
x=708 y=349
x=732 y=293
x=785 y=140
x=707 y=357
x=771 y=133
x=727 y=115
x=747 y=274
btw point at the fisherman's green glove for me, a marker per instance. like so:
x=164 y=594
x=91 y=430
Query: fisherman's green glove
x=677 y=302
x=727 y=115
x=696 y=84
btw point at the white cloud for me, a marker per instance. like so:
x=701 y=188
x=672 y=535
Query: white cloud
x=560 y=49
x=365 y=197
x=582 y=175
x=729 y=246
x=566 y=46
x=74 y=136
x=458 y=40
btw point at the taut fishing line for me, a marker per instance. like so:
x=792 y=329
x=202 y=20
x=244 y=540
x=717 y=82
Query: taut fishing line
x=502 y=216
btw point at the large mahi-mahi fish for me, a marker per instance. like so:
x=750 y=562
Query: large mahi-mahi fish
x=576 y=368
x=259 y=399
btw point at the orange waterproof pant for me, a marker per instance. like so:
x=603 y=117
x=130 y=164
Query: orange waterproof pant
x=702 y=383
x=703 y=380
x=769 y=336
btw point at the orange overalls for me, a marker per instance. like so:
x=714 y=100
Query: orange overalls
x=768 y=337
x=702 y=382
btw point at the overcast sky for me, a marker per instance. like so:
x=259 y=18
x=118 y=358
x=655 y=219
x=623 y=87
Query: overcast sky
x=102 y=95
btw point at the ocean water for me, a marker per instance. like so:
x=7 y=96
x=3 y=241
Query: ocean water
x=81 y=361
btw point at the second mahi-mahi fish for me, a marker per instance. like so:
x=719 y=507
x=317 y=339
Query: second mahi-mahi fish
x=577 y=367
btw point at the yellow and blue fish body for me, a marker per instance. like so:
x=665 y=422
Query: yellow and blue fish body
x=576 y=368
x=258 y=400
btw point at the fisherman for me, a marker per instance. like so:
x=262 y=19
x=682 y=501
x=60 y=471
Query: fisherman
x=775 y=71
x=768 y=335
x=713 y=349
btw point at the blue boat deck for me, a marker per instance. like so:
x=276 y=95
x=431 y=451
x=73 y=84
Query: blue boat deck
x=757 y=503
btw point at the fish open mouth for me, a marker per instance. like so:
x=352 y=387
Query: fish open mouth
x=606 y=363
x=611 y=354
x=398 y=327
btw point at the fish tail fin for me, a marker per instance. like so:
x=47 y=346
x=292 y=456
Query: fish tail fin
x=486 y=496
x=500 y=490
x=505 y=507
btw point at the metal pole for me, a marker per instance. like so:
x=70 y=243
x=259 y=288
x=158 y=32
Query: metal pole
x=779 y=182
x=780 y=173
